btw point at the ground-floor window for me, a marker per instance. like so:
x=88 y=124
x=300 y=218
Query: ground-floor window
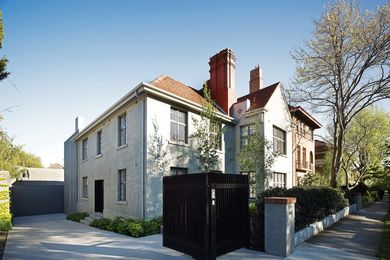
x=178 y=171
x=85 y=187
x=279 y=179
x=122 y=185
x=252 y=183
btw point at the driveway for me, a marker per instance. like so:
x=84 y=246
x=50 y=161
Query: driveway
x=54 y=237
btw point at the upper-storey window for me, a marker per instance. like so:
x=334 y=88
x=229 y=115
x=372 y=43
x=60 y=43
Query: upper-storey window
x=279 y=140
x=215 y=134
x=99 y=142
x=84 y=149
x=178 y=126
x=122 y=130
x=245 y=132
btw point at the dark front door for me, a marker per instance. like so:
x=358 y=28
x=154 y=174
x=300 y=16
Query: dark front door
x=99 y=195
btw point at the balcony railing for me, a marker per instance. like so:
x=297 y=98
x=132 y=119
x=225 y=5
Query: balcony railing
x=304 y=165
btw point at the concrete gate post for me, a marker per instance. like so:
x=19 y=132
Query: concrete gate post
x=279 y=225
x=357 y=197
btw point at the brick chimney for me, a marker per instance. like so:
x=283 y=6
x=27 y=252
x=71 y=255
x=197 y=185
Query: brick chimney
x=222 y=83
x=256 y=79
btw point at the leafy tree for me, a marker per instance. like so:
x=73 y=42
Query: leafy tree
x=344 y=68
x=13 y=158
x=257 y=156
x=208 y=133
x=366 y=143
x=3 y=61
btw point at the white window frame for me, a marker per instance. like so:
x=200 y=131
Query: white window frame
x=122 y=179
x=279 y=179
x=277 y=140
x=177 y=125
x=246 y=131
x=122 y=130
x=178 y=171
x=84 y=149
x=99 y=142
x=85 y=186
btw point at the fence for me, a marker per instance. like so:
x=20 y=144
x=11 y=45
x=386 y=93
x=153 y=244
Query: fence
x=205 y=215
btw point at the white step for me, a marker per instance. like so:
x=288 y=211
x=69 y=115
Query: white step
x=85 y=222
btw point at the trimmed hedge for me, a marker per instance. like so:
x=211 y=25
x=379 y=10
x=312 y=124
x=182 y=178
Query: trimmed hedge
x=130 y=227
x=5 y=217
x=77 y=216
x=313 y=203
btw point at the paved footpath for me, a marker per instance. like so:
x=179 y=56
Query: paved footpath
x=358 y=236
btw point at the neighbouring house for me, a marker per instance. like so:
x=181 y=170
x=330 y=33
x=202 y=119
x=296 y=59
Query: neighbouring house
x=55 y=166
x=115 y=164
x=321 y=148
x=303 y=127
x=41 y=174
x=267 y=108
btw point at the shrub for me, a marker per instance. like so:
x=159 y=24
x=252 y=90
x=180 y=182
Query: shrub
x=102 y=223
x=5 y=217
x=77 y=216
x=130 y=227
x=313 y=203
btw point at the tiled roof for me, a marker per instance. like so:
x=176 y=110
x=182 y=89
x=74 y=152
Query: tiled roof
x=321 y=146
x=175 y=87
x=259 y=98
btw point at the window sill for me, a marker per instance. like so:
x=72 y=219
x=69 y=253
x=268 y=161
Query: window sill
x=85 y=199
x=121 y=202
x=178 y=143
x=121 y=147
x=98 y=156
x=84 y=160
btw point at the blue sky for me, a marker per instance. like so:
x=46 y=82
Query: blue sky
x=77 y=57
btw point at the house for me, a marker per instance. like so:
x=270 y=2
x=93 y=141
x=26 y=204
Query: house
x=303 y=126
x=266 y=108
x=115 y=164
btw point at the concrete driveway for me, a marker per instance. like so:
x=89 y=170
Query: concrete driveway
x=54 y=237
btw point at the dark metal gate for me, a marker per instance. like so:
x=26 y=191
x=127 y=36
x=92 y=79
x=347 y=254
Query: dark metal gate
x=205 y=215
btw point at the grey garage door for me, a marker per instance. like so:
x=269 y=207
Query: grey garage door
x=37 y=197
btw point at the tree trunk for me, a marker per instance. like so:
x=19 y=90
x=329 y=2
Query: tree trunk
x=336 y=159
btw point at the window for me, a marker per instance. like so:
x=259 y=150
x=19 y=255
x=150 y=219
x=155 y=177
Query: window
x=85 y=187
x=84 y=149
x=122 y=130
x=178 y=126
x=99 y=142
x=279 y=180
x=215 y=134
x=122 y=185
x=304 y=162
x=178 y=171
x=245 y=132
x=252 y=184
x=279 y=141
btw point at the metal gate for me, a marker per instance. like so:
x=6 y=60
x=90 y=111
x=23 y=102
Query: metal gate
x=205 y=215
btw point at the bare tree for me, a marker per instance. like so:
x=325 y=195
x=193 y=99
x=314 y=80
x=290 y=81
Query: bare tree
x=344 y=68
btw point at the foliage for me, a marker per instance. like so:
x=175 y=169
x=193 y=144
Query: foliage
x=130 y=227
x=366 y=147
x=385 y=249
x=344 y=67
x=313 y=203
x=5 y=214
x=77 y=216
x=13 y=158
x=3 y=61
x=208 y=133
x=258 y=156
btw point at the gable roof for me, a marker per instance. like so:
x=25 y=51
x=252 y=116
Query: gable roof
x=259 y=98
x=175 y=87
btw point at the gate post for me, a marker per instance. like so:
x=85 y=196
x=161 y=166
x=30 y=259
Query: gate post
x=357 y=197
x=279 y=225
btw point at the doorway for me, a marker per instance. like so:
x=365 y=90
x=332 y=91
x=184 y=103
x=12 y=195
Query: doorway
x=99 y=195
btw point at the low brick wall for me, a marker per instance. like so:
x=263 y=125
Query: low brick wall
x=315 y=228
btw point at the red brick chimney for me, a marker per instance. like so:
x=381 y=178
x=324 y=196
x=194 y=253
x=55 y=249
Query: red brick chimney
x=222 y=82
x=256 y=79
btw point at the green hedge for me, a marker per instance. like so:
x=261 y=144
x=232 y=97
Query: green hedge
x=4 y=195
x=130 y=227
x=313 y=203
x=77 y=216
x=5 y=217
